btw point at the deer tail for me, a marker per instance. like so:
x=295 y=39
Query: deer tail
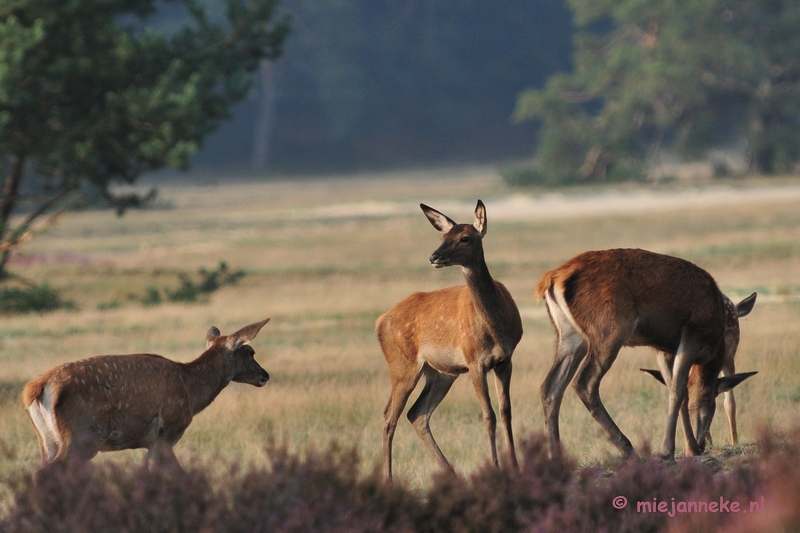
x=545 y=283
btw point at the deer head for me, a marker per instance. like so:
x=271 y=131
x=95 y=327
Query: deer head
x=704 y=382
x=461 y=243
x=239 y=355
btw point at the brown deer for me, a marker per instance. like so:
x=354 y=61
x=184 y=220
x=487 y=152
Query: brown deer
x=601 y=301
x=448 y=332
x=119 y=402
x=732 y=314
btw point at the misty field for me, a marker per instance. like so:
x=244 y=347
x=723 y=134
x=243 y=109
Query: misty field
x=324 y=257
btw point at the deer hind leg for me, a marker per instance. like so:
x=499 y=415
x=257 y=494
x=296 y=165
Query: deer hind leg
x=44 y=423
x=503 y=386
x=570 y=352
x=437 y=385
x=403 y=384
x=587 y=386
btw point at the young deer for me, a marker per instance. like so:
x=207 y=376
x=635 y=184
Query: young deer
x=604 y=300
x=119 y=402
x=448 y=332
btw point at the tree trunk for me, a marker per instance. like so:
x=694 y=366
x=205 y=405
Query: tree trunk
x=262 y=139
x=10 y=192
x=7 y=203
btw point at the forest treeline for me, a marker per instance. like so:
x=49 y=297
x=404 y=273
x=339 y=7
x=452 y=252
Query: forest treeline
x=371 y=83
x=593 y=90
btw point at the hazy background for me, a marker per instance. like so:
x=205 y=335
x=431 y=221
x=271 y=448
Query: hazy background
x=372 y=84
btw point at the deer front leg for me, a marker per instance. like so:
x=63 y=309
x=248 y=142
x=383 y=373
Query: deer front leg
x=665 y=363
x=677 y=396
x=729 y=369
x=503 y=386
x=478 y=375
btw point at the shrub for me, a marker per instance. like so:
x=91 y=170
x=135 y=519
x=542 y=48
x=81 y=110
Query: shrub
x=326 y=492
x=36 y=299
x=191 y=291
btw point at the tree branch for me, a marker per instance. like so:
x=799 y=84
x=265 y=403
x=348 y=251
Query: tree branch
x=22 y=235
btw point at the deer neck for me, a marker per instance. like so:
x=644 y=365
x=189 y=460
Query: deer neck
x=486 y=296
x=205 y=377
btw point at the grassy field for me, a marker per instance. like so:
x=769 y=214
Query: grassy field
x=324 y=257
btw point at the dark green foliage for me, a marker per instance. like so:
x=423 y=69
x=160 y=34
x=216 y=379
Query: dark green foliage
x=152 y=296
x=36 y=299
x=528 y=175
x=192 y=291
x=688 y=75
x=90 y=95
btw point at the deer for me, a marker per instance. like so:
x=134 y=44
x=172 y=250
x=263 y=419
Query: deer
x=732 y=314
x=600 y=301
x=118 y=402
x=472 y=328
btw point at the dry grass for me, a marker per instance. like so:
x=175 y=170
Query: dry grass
x=325 y=257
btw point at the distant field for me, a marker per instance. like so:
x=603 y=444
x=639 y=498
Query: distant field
x=324 y=257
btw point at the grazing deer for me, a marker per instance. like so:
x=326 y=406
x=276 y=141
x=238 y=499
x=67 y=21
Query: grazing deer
x=119 y=402
x=604 y=300
x=732 y=314
x=448 y=332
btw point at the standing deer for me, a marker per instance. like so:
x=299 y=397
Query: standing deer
x=119 y=402
x=448 y=332
x=601 y=301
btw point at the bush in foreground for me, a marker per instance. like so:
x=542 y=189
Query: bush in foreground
x=325 y=492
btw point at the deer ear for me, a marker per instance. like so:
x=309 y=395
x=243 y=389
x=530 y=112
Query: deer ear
x=726 y=383
x=744 y=307
x=439 y=220
x=213 y=333
x=480 y=218
x=655 y=373
x=244 y=335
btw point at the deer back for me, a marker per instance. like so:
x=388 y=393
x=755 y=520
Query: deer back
x=123 y=401
x=654 y=296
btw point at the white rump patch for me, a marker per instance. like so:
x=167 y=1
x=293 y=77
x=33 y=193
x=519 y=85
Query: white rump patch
x=569 y=333
x=43 y=416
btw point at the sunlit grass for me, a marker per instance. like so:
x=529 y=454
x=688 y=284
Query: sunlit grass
x=324 y=280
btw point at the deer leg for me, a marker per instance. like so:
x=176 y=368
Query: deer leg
x=47 y=432
x=587 y=386
x=437 y=385
x=570 y=353
x=503 y=387
x=690 y=442
x=728 y=369
x=478 y=375
x=161 y=455
x=677 y=396
x=402 y=386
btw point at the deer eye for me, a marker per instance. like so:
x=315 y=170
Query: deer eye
x=464 y=239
